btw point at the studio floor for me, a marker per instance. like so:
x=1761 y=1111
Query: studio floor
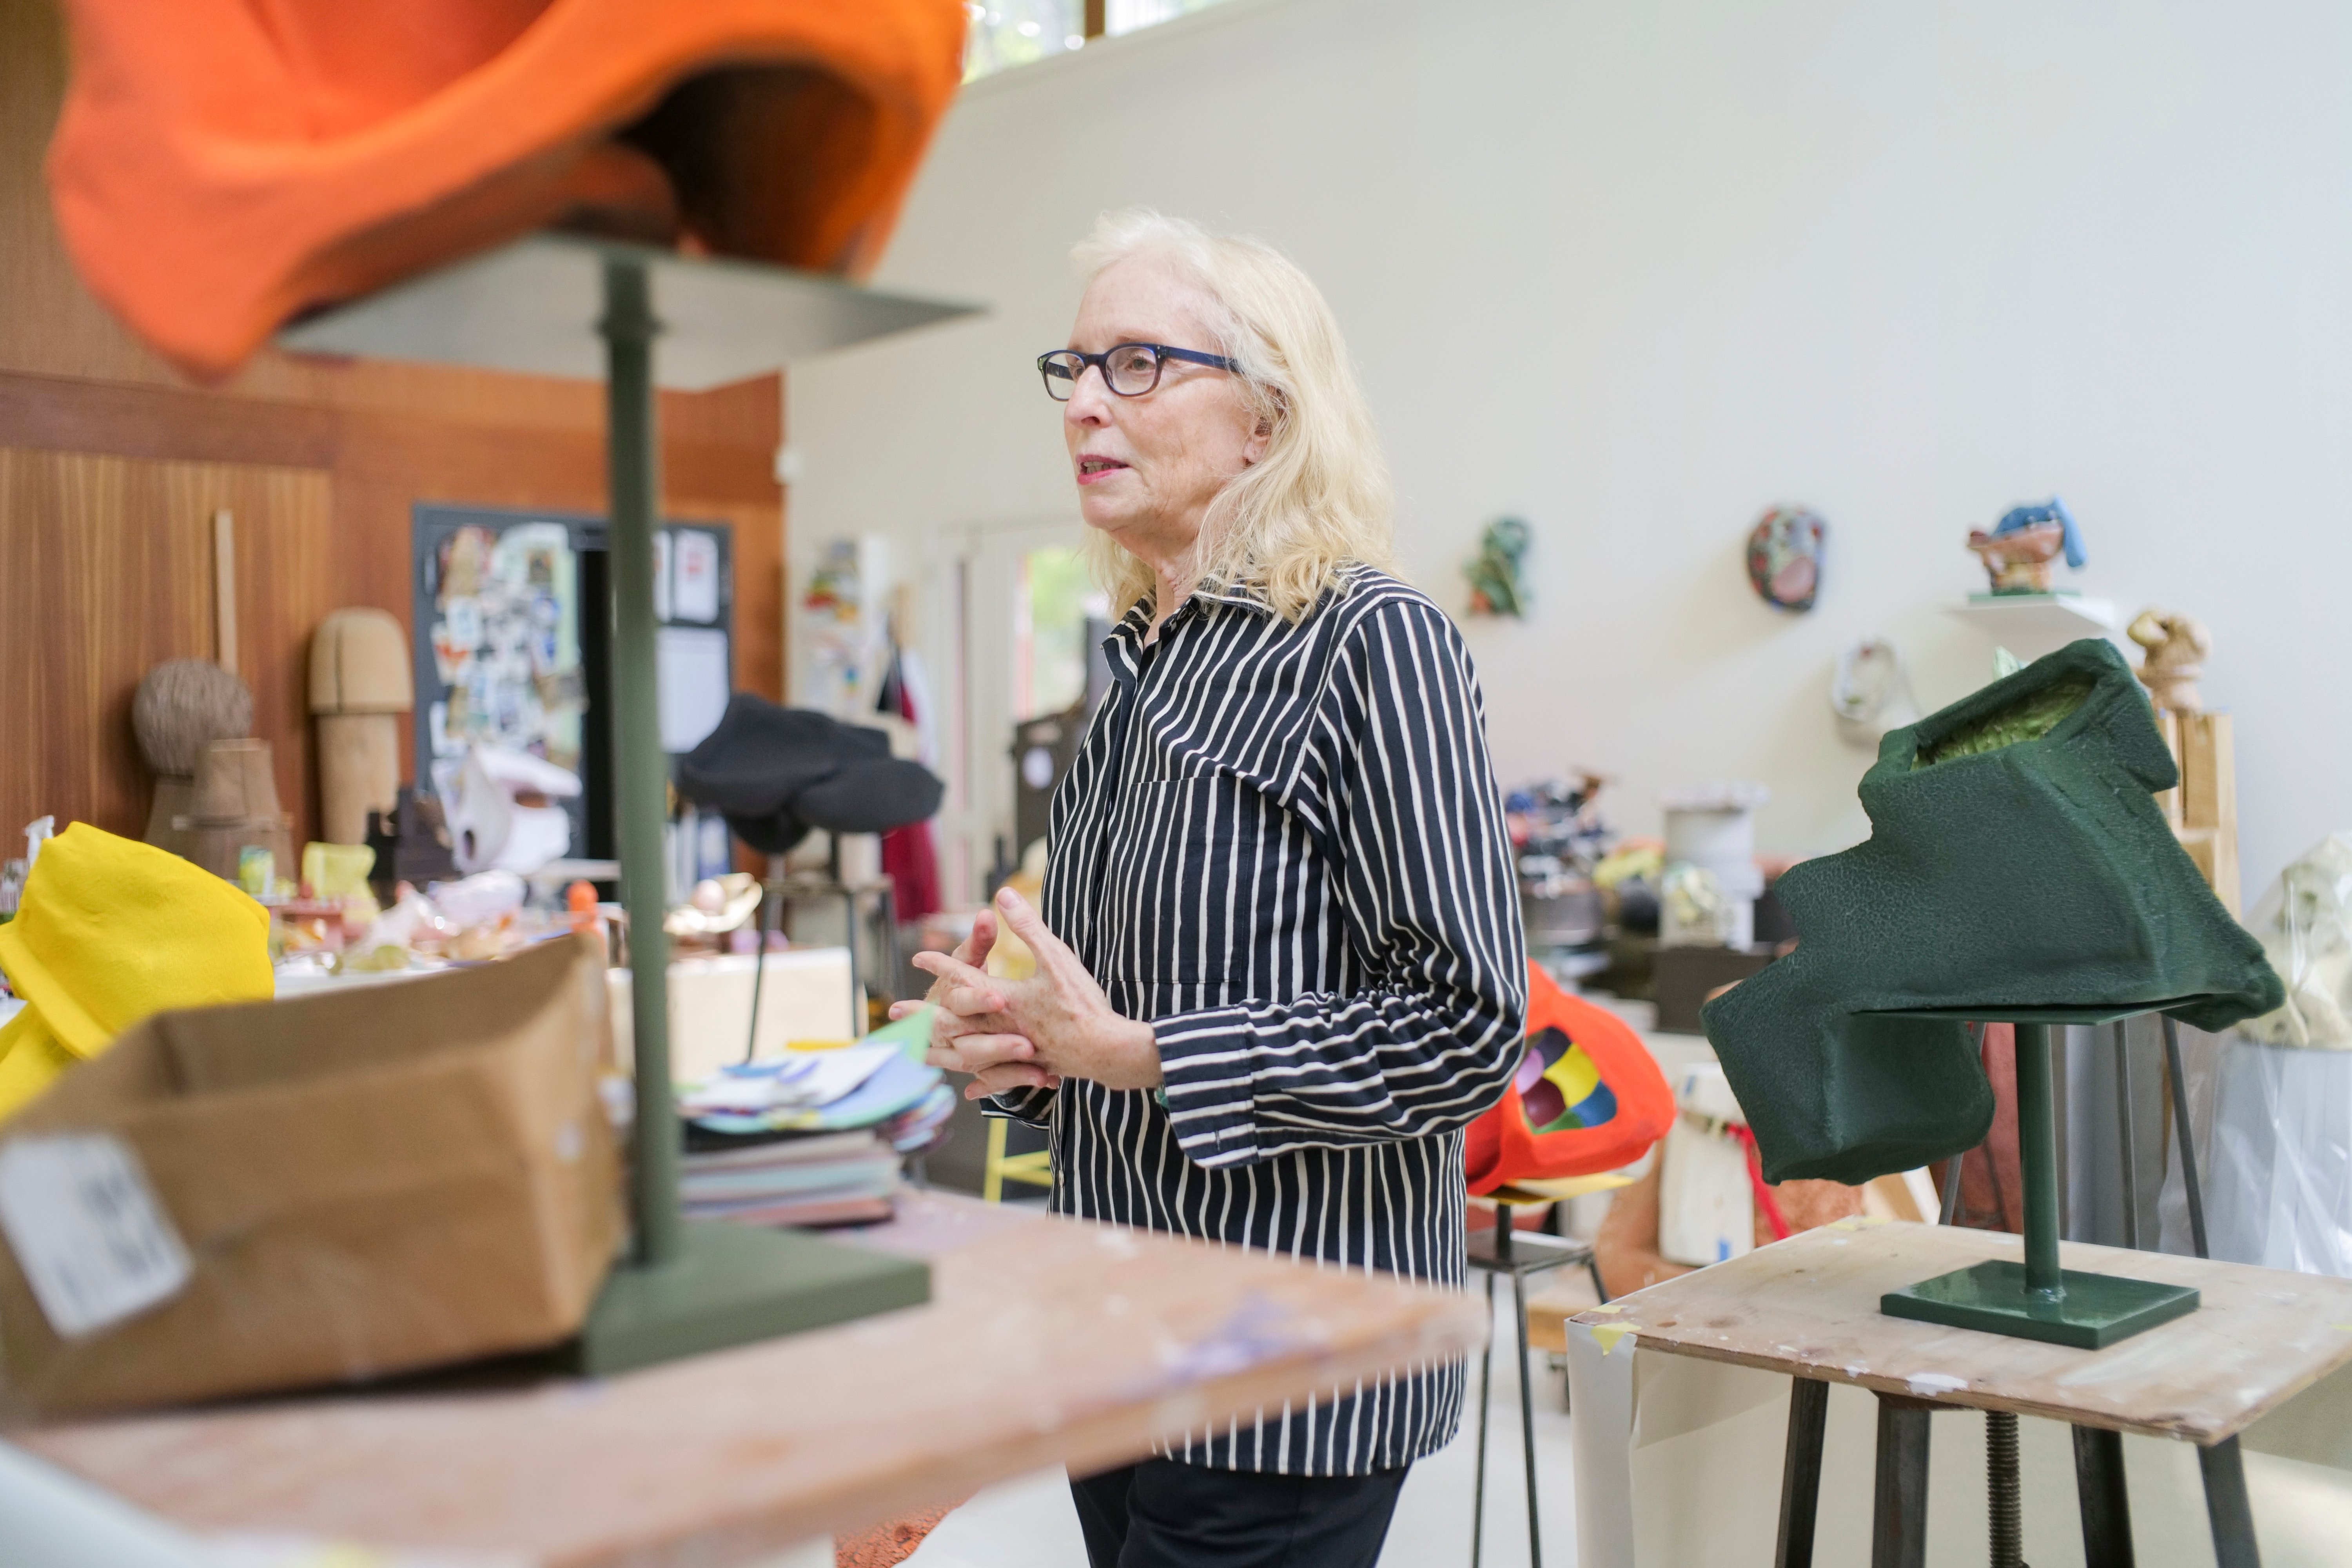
x=1028 y=1522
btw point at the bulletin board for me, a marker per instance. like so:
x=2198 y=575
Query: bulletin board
x=512 y=646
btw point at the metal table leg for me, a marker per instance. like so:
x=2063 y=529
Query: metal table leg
x=1898 y=1522
x=2105 y=1503
x=2227 y=1506
x=1486 y=1387
x=1527 y=1413
x=2180 y=1129
x=2127 y=1134
x=2005 y=1506
x=1801 y=1472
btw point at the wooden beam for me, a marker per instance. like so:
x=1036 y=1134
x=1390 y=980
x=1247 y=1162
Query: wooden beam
x=1097 y=17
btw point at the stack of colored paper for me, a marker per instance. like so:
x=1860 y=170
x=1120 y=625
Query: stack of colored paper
x=813 y=1137
x=832 y=1178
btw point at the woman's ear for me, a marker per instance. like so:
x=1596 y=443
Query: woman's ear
x=1255 y=449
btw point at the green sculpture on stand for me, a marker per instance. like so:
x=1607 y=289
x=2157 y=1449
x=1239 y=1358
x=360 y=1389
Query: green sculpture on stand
x=2017 y=860
x=2018 y=871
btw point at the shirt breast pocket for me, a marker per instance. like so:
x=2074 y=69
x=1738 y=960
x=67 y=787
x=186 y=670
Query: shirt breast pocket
x=1212 y=877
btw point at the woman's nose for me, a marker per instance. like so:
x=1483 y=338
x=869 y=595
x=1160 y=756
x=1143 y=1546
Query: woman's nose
x=1090 y=399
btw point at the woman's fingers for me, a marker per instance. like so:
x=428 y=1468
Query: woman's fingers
x=973 y=950
x=967 y=990
x=978 y=1053
x=1030 y=927
x=1006 y=1079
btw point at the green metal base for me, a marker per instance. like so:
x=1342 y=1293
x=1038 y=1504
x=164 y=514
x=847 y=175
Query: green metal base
x=2095 y=1310
x=733 y=1284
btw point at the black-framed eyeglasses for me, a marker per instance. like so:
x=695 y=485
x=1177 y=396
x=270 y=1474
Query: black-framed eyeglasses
x=1128 y=369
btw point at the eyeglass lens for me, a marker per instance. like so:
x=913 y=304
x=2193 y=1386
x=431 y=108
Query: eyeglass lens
x=1131 y=370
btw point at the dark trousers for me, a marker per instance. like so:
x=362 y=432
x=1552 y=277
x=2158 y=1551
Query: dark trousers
x=1161 y=1514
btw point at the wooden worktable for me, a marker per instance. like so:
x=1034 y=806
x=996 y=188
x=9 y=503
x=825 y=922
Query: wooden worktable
x=1807 y=1307
x=1047 y=1341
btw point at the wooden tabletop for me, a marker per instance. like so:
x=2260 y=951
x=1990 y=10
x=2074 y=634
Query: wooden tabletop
x=1809 y=1307
x=1047 y=1341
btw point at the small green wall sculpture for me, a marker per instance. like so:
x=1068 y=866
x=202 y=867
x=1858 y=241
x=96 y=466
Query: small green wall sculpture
x=2017 y=858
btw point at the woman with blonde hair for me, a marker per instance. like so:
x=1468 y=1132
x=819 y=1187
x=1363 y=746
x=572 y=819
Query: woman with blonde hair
x=1280 y=959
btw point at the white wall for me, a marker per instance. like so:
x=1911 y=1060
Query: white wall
x=1635 y=271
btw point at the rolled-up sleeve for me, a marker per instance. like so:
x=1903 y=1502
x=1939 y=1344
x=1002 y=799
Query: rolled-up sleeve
x=1416 y=826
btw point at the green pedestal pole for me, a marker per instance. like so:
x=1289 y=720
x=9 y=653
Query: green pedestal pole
x=688 y=1288
x=2037 y=1300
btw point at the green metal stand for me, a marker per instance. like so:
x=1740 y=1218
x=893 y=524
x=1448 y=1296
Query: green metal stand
x=688 y=1288
x=2038 y=1299
x=544 y=305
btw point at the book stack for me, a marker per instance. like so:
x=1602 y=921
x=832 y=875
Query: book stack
x=813 y=1137
x=826 y=1178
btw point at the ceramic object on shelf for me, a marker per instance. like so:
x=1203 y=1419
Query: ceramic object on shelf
x=2178 y=646
x=2017 y=553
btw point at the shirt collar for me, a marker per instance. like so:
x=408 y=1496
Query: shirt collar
x=1125 y=644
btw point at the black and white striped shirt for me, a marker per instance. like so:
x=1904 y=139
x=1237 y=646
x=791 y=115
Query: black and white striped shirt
x=1283 y=846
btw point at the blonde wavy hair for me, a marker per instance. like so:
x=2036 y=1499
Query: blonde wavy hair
x=1285 y=529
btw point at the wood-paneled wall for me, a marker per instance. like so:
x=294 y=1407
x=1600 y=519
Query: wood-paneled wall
x=111 y=465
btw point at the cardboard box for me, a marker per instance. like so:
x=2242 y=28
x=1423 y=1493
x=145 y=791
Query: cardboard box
x=236 y=1200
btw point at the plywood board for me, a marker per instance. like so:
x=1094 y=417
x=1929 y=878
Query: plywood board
x=1048 y=1341
x=1809 y=1307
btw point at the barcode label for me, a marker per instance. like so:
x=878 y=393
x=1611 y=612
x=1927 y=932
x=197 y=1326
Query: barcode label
x=92 y=1242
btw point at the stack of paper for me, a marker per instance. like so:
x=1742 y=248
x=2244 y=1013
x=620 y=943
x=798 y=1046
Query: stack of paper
x=814 y=1137
x=833 y=1178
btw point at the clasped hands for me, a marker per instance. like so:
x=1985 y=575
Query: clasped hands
x=1034 y=1032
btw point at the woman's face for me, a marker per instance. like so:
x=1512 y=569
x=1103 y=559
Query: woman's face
x=1147 y=467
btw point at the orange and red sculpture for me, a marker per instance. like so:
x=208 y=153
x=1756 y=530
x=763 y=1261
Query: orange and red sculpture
x=223 y=166
x=1587 y=1097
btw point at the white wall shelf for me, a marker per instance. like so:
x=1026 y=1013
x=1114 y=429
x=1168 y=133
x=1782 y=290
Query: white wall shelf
x=2031 y=624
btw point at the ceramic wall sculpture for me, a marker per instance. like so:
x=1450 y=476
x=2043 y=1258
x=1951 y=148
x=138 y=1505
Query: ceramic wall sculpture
x=224 y=165
x=2017 y=858
x=1497 y=584
x=2018 y=552
x=1785 y=553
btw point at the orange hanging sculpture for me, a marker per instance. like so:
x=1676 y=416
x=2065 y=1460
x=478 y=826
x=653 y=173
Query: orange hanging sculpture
x=223 y=166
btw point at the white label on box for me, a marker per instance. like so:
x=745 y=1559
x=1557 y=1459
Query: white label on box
x=92 y=1241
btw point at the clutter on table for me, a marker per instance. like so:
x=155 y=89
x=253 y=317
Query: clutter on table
x=812 y=1136
x=1557 y=837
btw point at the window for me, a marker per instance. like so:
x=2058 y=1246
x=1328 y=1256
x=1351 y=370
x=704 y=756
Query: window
x=1127 y=16
x=1050 y=638
x=1003 y=33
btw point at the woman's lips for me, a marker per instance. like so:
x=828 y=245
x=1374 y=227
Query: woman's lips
x=1093 y=468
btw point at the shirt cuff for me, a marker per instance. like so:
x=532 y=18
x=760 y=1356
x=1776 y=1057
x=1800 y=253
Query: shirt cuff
x=1206 y=1084
x=1031 y=1106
